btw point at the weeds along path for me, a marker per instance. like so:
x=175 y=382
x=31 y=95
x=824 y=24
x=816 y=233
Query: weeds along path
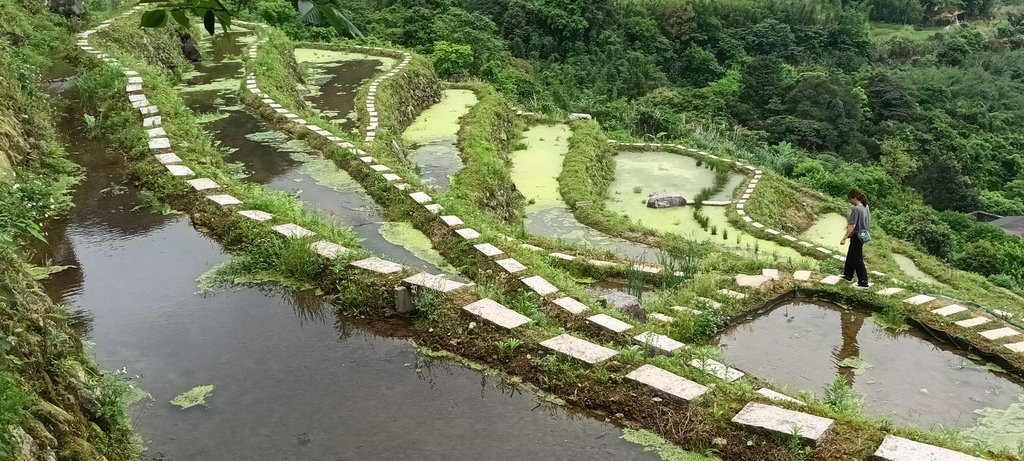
x=616 y=364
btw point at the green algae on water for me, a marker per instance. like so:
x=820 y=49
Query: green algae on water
x=908 y=267
x=665 y=449
x=826 y=231
x=536 y=166
x=405 y=235
x=999 y=428
x=440 y=121
x=193 y=397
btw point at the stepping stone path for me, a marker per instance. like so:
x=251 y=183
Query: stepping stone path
x=717 y=369
x=661 y=317
x=889 y=291
x=1016 y=347
x=999 y=333
x=770 y=273
x=511 y=265
x=685 y=309
x=256 y=215
x=710 y=303
x=452 y=221
x=293 y=231
x=203 y=184
x=562 y=256
x=895 y=448
x=831 y=280
x=918 y=300
x=973 y=322
x=667 y=383
x=421 y=197
x=609 y=323
x=579 y=349
x=540 y=286
x=434 y=282
x=167 y=158
x=810 y=428
x=179 y=170
x=658 y=341
x=468 y=233
x=327 y=249
x=571 y=305
x=377 y=265
x=491 y=311
x=949 y=310
x=777 y=396
x=752 y=281
x=224 y=200
x=488 y=250
x=802 y=276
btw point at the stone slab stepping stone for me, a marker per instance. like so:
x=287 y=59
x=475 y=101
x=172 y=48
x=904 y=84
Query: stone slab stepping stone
x=685 y=309
x=599 y=263
x=136 y=97
x=571 y=305
x=135 y=79
x=999 y=333
x=540 y=286
x=918 y=300
x=329 y=250
x=202 y=183
x=256 y=215
x=377 y=265
x=831 y=280
x=777 y=396
x=562 y=256
x=732 y=294
x=133 y=87
x=152 y=121
x=293 y=231
x=491 y=311
x=532 y=247
x=389 y=177
x=802 y=276
x=380 y=168
x=156 y=132
x=433 y=208
x=579 y=349
x=661 y=317
x=610 y=323
x=658 y=341
x=180 y=170
x=900 y=449
x=752 y=281
x=511 y=265
x=159 y=143
x=710 y=303
x=452 y=221
x=806 y=244
x=809 y=428
x=142 y=104
x=168 y=158
x=1016 y=347
x=667 y=382
x=488 y=250
x=148 y=110
x=889 y=291
x=790 y=238
x=421 y=197
x=757 y=225
x=973 y=322
x=434 y=282
x=468 y=233
x=224 y=199
x=770 y=273
x=824 y=250
x=716 y=369
x=949 y=310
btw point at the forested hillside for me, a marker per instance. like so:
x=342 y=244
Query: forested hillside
x=921 y=104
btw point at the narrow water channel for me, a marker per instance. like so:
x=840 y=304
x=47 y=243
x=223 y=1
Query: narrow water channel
x=292 y=381
x=433 y=135
x=904 y=376
x=271 y=158
x=334 y=77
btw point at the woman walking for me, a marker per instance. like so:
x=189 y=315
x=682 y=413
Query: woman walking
x=857 y=226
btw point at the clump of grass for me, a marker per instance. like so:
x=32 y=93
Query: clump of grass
x=637 y=189
x=507 y=347
x=839 y=397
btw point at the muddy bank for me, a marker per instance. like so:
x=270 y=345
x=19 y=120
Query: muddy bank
x=904 y=376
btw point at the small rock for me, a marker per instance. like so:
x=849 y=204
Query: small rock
x=625 y=303
x=719 y=441
x=472 y=325
x=620 y=415
x=665 y=201
x=656 y=399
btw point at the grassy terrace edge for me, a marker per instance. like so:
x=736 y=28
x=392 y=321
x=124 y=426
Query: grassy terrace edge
x=598 y=389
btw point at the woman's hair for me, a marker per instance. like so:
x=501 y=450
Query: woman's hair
x=857 y=194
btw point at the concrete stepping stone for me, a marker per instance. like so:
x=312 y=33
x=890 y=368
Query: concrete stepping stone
x=329 y=250
x=256 y=215
x=710 y=303
x=717 y=369
x=152 y=121
x=433 y=208
x=949 y=310
x=134 y=79
x=148 y=110
x=562 y=256
x=685 y=309
x=141 y=103
x=658 y=341
x=810 y=428
x=491 y=311
x=380 y=266
x=999 y=333
x=156 y=132
x=571 y=305
x=609 y=323
x=159 y=143
x=805 y=244
x=802 y=276
x=579 y=349
x=540 y=286
x=293 y=231
x=488 y=250
x=224 y=199
x=421 y=197
x=179 y=170
x=789 y=238
x=468 y=233
x=532 y=247
x=831 y=280
x=918 y=300
x=389 y=177
x=777 y=396
x=380 y=168
x=661 y=317
x=973 y=322
x=1016 y=347
x=667 y=383
x=599 y=263
x=202 y=183
x=895 y=448
x=752 y=281
x=137 y=97
x=757 y=225
x=770 y=273
x=511 y=265
x=167 y=158
x=732 y=294
x=434 y=282
x=889 y=291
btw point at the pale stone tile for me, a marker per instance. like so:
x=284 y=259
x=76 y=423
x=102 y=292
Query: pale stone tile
x=710 y=303
x=291 y=230
x=389 y=177
x=531 y=247
x=777 y=396
x=493 y=312
x=802 y=276
x=156 y=132
x=1016 y=347
x=434 y=282
x=152 y=121
x=999 y=333
x=511 y=265
x=973 y=322
x=179 y=170
x=224 y=199
x=661 y=317
x=895 y=448
x=562 y=256
x=377 y=265
x=380 y=168
x=579 y=349
x=918 y=300
x=421 y=197
x=949 y=310
x=468 y=233
x=167 y=158
x=716 y=369
x=452 y=221
x=809 y=428
x=610 y=323
x=667 y=382
x=488 y=250
x=256 y=215
x=658 y=341
x=539 y=285
x=329 y=250
x=203 y=184
x=831 y=280
x=889 y=291
x=732 y=294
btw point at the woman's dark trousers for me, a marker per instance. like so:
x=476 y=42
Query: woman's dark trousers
x=855 y=262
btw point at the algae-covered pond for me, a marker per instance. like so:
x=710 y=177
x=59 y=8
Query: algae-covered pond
x=333 y=78
x=433 y=135
x=904 y=376
x=827 y=231
x=908 y=267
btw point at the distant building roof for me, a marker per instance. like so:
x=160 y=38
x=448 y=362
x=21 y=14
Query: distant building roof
x=1012 y=225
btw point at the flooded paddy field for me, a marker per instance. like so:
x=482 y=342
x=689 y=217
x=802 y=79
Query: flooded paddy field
x=432 y=137
x=333 y=78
